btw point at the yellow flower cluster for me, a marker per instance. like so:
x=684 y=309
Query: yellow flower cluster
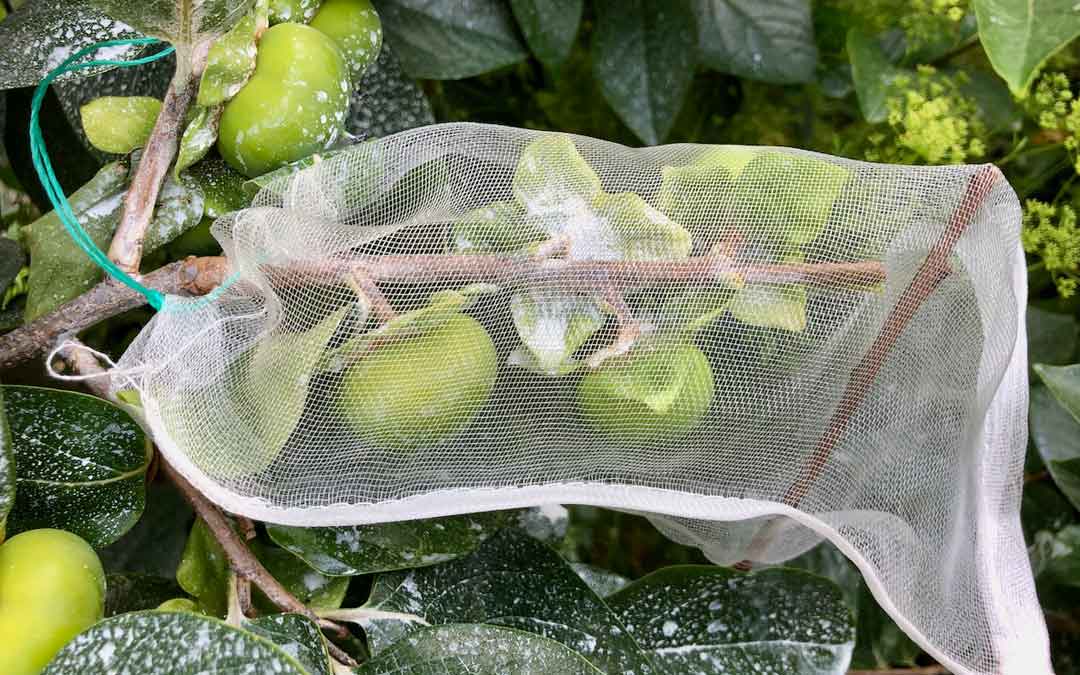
x=930 y=121
x=1051 y=233
x=1056 y=109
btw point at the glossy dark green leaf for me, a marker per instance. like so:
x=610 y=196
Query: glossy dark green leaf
x=1019 y=35
x=59 y=270
x=511 y=580
x=1055 y=561
x=387 y=101
x=1056 y=435
x=549 y=26
x=203 y=571
x=643 y=57
x=450 y=40
x=221 y=186
x=155 y=545
x=315 y=590
x=134 y=592
x=80 y=464
x=297 y=636
x=41 y=34
x=476 y=649
x=1043 y=507
x=199 y=136
x=872 y=74
x=704 y=618
x=365 y=549
x=1000 y=111
x=178 y=643
x=7 y=469
x=1052 y=336
x=769 y=41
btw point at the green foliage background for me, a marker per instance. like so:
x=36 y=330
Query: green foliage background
x=899 y=81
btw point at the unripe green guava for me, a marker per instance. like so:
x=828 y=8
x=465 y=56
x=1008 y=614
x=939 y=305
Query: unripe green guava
x=421 y=390
x=354 y=25
x=52 y=588
x=650 y=396
x=179 y=605
x=293 y=105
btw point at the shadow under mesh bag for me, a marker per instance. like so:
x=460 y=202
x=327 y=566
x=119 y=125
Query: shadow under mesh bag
x=758 y=347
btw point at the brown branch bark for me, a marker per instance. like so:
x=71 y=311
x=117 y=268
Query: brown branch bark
x=127 y=244
x=198 y=276
x=78 y=360
x=194 y=276
x=244 y=563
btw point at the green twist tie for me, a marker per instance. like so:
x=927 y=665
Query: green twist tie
x=44 y=167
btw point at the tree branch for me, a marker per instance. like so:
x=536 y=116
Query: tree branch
x=157 y=156
x=244 y=563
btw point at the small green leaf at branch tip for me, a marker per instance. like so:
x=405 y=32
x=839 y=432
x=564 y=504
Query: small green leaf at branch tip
x=199 y=136
x=80 y=464
x=229 y=64
x=182 y=23
x=119 y=124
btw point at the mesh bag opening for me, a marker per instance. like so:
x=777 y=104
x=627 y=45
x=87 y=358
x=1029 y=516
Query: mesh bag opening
x=757 y=347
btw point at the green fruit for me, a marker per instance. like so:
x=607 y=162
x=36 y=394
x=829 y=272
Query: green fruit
x=179 y=605
x=650 y=396
x=294 y=104
x=52 y=588
x=420 y=390
x=354 y=25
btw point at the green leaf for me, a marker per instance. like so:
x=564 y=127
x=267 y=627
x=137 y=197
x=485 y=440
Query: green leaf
x=366 y=549
x=476 y=649
x=449 y=41
x=59 y=270
x=296 y=635
x=12 y=259
x=133 y=592
x=199 y=136
x=203 y=572
x=229 y=64
x=636 y=230
x=222 y=187
x=873 y=75
x=769 y=41
x=999 y=110
x=771 y=305
x=37 y=36
x=713 y=173
x=387 y=101
x=1055 y=561
x=156 y=544
x=643 y=57
x=7 y=469
x=315 y=590
x=550 y=173
x=552 y=324
x=1064 y=383
x=714 y=619
x=1056 y=435
x=549 y=26
x=499 y=227
x=184 y=23
x=119 y=124
x=1052 y=337
x=511 y=580
x=1020 y=35
x=178 y=643
x=179 y=208
x=80 y=464
x=602 y=582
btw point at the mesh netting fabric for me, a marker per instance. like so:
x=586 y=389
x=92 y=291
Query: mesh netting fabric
x=758 y=347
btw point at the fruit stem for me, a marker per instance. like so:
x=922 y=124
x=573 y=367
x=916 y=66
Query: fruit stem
x=367 y=290
x=629 y=330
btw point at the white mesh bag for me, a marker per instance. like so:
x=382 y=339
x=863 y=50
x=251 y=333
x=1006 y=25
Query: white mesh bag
x=758 y=347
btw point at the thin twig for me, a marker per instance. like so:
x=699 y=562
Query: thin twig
x=127 y=244
x=628 y=331
x=244 y=563
x=367 y=290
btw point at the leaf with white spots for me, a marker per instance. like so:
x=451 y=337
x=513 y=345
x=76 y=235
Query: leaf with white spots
x=476 y=649
x=199 y=136
x=511 y=580
x=714 y=620
x=178 y=643
x=184 y=23
x=39 y=35
x=643 y=55
x=297 y=636
x=230 y=62
x=119 y=124
x=552 y=324
x=366 y=549
x=603 y=582
x=80 y=464
x=387 y=100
